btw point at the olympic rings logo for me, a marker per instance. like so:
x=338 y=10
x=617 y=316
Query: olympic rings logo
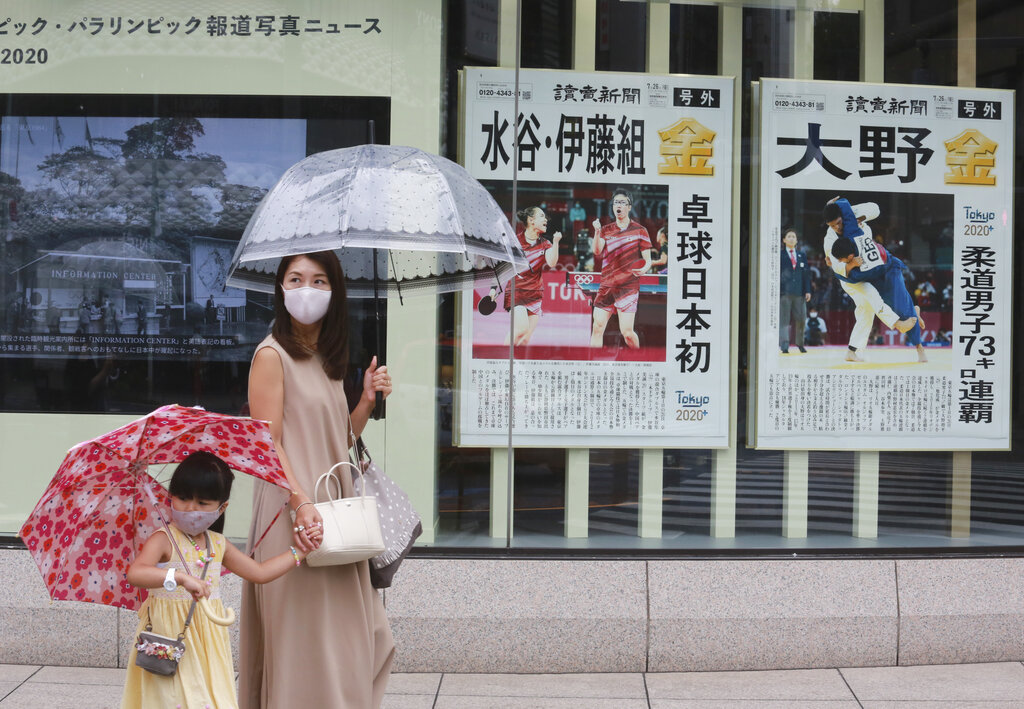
x=583 y=278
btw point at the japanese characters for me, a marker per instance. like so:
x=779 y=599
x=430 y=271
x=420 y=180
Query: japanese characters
x=906 y=195
x=632 y=304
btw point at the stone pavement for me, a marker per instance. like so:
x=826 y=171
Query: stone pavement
x=981 y=686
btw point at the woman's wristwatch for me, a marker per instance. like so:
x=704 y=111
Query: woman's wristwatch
x=169 y=583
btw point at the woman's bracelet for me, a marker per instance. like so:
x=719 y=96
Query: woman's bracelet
x=295 y=554
x=296 y=510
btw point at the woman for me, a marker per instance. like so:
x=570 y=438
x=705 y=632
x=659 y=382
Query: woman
x=317 y=637
x=529 y=296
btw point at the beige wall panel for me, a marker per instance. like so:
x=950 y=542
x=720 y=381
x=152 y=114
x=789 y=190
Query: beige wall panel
x=402 y=61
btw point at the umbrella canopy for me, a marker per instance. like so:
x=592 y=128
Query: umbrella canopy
x=421 y=219
x=102 y=504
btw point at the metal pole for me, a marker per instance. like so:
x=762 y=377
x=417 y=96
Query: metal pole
x=378 y=407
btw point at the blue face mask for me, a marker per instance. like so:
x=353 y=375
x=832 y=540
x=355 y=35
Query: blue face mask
x=193 y=522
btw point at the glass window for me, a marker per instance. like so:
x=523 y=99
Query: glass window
x=547 y=27
x=621 y=36
x=121 y=208
x=695 y=28
x=837 y=46
x=920 y=42
x=124 y=214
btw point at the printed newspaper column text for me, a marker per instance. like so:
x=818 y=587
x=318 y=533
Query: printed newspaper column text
x=693 y=351
x=977 y=392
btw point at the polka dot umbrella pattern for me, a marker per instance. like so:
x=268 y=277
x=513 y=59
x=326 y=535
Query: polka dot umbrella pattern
x=420 y=218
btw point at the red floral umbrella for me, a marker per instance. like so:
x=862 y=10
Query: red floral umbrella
x=103 y=504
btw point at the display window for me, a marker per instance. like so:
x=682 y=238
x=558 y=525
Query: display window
x=769 y=295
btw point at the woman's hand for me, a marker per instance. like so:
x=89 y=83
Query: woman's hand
x=376 y=379
x=308 y=530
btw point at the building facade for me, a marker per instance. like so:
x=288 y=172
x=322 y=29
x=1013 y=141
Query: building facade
x=643 y=486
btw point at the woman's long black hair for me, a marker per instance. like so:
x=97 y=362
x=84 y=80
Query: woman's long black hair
x=203 y=476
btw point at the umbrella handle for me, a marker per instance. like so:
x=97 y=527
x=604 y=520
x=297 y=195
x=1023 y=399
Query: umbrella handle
x=227 y=619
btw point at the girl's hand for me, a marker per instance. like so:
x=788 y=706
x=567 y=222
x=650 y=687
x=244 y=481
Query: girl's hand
x=376 y=379
x=198 y=588
x=308 y=531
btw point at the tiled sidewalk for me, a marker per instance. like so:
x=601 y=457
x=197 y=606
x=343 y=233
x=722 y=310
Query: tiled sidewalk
x=984 y=686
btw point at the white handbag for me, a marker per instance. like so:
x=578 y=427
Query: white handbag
x=351 y=525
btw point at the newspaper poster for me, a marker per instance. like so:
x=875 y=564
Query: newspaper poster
x=884 y=265
x=619 y=328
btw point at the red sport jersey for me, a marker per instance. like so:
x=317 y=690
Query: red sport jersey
x=621 y=248
x=529 y=289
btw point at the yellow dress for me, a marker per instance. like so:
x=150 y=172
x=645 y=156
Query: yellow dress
x=205 y=678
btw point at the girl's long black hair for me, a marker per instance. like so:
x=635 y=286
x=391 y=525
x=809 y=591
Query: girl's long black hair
x=203 y=476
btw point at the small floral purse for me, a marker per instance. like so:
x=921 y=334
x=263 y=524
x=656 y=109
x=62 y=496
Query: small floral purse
x=160 y=654
x=157 y=653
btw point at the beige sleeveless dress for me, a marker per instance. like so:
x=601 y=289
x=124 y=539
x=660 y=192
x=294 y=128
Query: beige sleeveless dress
x=316 y=637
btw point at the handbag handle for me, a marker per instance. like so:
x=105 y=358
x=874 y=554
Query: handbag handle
x=356 y=444
x=330 y=475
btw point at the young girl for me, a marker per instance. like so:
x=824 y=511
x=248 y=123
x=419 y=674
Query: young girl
x=205 y=679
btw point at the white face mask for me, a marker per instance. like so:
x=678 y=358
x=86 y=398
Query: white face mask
x=307 y=304
x=193 y=522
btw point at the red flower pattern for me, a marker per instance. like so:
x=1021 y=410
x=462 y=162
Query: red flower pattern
x=95 y=515
x=96 y=541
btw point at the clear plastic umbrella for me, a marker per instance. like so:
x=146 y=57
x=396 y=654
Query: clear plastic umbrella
x=399 y=219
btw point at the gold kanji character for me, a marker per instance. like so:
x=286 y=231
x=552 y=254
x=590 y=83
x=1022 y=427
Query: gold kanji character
x=970 y=158
x=686 y=147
